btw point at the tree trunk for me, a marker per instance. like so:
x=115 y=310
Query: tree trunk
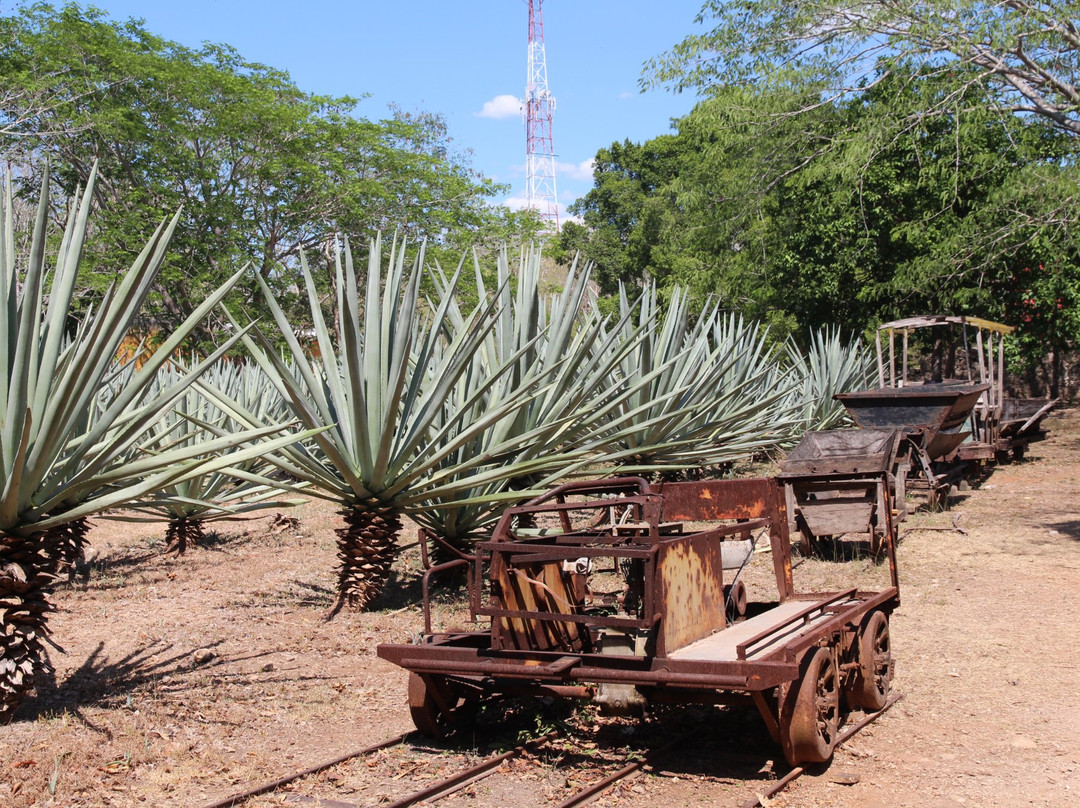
x=181 y=533
x=367 y=546
x=29 y=565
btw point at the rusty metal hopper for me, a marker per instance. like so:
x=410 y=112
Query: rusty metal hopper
x=938 y=411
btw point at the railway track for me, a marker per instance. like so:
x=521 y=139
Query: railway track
x=407 y=759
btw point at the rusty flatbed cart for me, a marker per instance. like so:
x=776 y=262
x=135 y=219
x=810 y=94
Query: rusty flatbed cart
x=604 y=590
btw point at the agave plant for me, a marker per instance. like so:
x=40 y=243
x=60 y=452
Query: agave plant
x=826 y=368
x=190 y=504
x=560 y=336
x=702 y=390
x=66 y=437
x=380 y=393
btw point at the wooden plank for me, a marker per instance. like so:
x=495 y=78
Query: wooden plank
x=720 y=647
x=833 y=517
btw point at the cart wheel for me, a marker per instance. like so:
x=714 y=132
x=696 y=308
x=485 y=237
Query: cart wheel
x=437 y=711
x=810 y=716
x=873 y=678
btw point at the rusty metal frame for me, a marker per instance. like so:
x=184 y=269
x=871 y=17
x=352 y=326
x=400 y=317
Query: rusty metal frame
x=769 y=659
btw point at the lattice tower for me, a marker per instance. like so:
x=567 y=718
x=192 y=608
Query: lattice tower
x=539 y=108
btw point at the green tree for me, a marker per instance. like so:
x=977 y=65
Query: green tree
x=1024 y=52
x=621 y=220
x=809 y=216
x=985 y=91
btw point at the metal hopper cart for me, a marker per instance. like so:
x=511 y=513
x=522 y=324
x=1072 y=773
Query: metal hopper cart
x=999 y=425
x=630 y=594
x=931 y=418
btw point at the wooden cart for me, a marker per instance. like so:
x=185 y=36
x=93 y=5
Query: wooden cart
x=1000 y=427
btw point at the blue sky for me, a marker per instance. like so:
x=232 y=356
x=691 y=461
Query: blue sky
x=453 y=57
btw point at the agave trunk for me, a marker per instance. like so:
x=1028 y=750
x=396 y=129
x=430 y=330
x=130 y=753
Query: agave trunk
x=66 y=544
x=183 y=533
x=28 y=566
x=367 y=546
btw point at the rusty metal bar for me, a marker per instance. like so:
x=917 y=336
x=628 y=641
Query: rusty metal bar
x=587 y=619
x=611 y=483
x=450 y=785
x=836 y=623
x=243 y=796
x=819 y=605
x=489 y=667
x=714 y=500
x=548 y=552
x=780 y=672
x=425 y=586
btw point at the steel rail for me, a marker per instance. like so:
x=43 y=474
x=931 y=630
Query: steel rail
x=467 y=777
x=591 y=792
x=243 y=796
x=488 y=766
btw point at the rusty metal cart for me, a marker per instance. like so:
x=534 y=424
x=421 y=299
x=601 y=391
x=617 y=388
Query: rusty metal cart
x=628 y=593
x=931 y=418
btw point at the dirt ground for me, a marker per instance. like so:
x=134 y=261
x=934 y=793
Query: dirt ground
x=183 y=680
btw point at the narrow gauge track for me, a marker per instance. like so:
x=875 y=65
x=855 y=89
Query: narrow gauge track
x=463 y=778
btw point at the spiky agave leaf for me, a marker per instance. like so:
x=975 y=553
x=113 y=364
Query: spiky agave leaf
x=560 y=335
x=827 y=367
x=193 y=420
x=702 y=390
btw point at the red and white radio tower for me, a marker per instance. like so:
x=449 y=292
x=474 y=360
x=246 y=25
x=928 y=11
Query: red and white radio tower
x=539 y=106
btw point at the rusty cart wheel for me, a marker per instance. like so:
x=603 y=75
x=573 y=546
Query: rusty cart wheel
x=810 y=716
x=873 y=678
x=437 y=710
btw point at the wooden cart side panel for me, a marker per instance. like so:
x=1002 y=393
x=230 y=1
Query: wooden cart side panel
x=691 y=591
x=542 y=588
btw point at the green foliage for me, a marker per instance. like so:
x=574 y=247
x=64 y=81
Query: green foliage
x=1024 y=53
x=847 y=214
x=826 y=368
x=379 y=386
x=194 y=420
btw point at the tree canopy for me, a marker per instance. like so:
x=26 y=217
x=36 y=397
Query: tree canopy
x=806 y=214
x=1026 y=53
x=854 y=163
x=261 y=169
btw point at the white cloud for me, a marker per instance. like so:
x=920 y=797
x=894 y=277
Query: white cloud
x=626 y=95
x=520 y=203
x=501 y=106
x=580 y=172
